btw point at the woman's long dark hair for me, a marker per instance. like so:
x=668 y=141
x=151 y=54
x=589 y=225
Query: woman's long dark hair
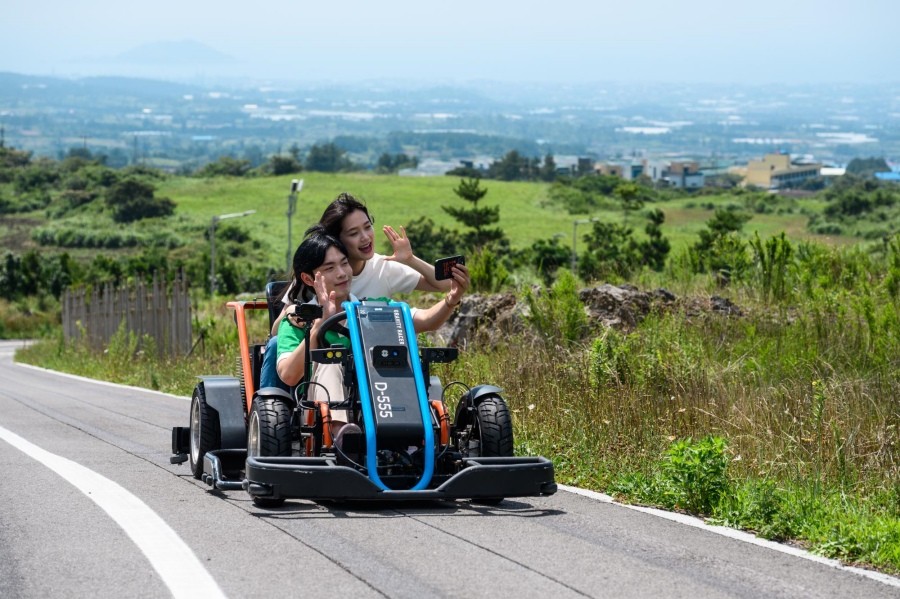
x=333 y=218
x=309 y=256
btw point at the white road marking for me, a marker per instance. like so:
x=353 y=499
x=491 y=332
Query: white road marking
x=179 y=568
x=99 y=382
x=737 y=535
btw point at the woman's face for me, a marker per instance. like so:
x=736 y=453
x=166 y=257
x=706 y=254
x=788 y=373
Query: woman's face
x=335 y=271
x=358 y=235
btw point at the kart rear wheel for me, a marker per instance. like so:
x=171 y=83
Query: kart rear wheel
x=205 y=432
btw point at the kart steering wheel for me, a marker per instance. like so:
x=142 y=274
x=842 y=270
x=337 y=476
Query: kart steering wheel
x=332 y=323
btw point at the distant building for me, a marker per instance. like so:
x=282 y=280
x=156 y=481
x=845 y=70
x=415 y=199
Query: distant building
x=626 y=170
x=832 y=171
x=568 y=165
x=585 y=165
x=776 y=170
x=681 y=174
x=612 y=170
x=684 y=175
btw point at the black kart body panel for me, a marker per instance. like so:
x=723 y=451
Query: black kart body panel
x=223 y=394
x=320 y=478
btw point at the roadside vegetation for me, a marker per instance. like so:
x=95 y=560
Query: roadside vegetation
x=780 y=416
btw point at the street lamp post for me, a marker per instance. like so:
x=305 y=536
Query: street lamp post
x=296 y=186
x=575 y=223
x=212 y=245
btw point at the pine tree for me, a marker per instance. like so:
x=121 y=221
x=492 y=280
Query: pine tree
x=477 y=217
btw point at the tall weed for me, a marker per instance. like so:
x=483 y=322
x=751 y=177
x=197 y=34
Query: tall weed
x=773 y=260
x=558 y=314
x=487 y=272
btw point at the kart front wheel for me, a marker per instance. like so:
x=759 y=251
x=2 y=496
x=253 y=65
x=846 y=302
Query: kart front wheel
x=269 y=434
x=269 y=429
x=495 y=434
x=205 y=432
x=494 y=428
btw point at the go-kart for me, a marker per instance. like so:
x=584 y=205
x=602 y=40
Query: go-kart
x=278 y=444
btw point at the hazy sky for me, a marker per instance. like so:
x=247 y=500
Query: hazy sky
x=755 y=41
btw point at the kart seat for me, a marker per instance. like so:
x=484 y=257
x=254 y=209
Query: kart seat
x=268 y=376
x=274 y=292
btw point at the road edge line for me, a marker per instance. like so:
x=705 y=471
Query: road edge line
x=738 y=535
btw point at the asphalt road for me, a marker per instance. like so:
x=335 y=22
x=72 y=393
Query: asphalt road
x=115 y=519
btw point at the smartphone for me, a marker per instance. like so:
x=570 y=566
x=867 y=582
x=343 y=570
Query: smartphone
x=443 y=268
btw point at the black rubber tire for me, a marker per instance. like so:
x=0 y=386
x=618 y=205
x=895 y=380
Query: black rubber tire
x=269 y=427
x=205 y=432
x=268 y=502
x=495 y=427
x=269 y=434
x=495 y=433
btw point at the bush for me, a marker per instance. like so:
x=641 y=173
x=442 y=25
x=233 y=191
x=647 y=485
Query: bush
x=132 y=199
x=488 y=275
x=696 y=473
x=827 y=228
x=225 y=166
x=547 y=256
x=558 y=315
x=284 y=165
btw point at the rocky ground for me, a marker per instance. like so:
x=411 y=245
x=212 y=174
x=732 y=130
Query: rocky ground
x=484 y=320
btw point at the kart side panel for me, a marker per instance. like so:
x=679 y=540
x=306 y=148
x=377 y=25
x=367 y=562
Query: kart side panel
x=223 y=394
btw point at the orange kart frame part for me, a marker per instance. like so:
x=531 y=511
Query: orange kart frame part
x=240 y=318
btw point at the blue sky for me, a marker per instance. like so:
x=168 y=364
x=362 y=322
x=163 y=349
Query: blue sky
x=762 y=41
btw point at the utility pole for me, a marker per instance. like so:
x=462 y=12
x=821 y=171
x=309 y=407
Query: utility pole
x=296 y=186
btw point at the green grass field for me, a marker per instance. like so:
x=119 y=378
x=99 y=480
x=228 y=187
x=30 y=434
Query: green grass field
x=526 y=214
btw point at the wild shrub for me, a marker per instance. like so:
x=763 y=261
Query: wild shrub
x=609 y=359
x=612 y=252
x=762 y=506
x=132 y=199
x=486 y=271
x=695 y=473
x=547 y=256
x=82 y=237
x=773 y=260
x=727 y=259
x=38 y=175
x=558 y=315
x=655 y=250
x=225 y=166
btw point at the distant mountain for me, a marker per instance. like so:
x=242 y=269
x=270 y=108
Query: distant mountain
x=174 y=53
x=15 y=87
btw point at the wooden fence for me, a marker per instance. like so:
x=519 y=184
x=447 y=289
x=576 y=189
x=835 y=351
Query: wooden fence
x=164 y=315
